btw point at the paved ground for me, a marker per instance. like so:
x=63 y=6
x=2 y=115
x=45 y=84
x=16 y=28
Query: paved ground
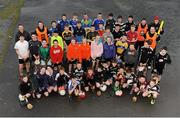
x=168 y=103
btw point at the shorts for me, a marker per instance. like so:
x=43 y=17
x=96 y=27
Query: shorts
x=73 y=62
x=32 y=58
x=85 y=64
x=92 y=83
x=41 y=90
x=21 y=61
x=108 y=60
x=97 y=59
x=57 y=65
x=129 y=65
x=54 y=84
x=68 y=42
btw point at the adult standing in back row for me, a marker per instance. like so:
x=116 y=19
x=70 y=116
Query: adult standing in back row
x=79 y=32
x=129 y=23
x=23 y=32
x=42 y=32
x=98 y=21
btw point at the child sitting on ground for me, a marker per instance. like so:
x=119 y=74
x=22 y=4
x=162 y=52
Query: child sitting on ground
x=42 y=79
x=51 y=80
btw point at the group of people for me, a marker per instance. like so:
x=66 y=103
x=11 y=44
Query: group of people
x=76 y=56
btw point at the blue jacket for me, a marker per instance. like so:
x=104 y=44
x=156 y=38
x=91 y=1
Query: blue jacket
x=51 y=30
x=109 y=51
x=73 y=23
x=42 y=81
x=61 y=24
x=97 y=22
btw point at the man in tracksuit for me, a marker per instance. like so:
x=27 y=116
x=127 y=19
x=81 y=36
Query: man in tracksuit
x=73 y=21
x=146 y=54
x=156 y=24
x=98 y=21
x=161 y=59
x=62 y=22
x=153 y=38
x=34 y=46
x=79 y=32
x=53 y=28
x=129 y=23
x=110 y=22
x=23 y=32
x=92 y=34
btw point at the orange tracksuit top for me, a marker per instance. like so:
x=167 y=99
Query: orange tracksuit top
x=152 y=39
x=85 y=51
x=74 y=52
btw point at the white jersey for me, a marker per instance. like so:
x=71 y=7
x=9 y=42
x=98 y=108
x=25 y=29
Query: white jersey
x=22 y=47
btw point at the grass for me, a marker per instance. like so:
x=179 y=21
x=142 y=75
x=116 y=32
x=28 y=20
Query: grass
x=11 y=8
x=11 y=11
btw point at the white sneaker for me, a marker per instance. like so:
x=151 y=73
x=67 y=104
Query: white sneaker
x=149 y=67
x=152 y=101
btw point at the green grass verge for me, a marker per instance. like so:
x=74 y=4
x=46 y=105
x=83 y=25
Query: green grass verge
x=12 y=12
x=10 y=8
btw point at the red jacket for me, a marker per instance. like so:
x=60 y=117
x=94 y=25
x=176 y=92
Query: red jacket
x=74 y=52
x=131 y=35
x=85 y=51
x=56 y=54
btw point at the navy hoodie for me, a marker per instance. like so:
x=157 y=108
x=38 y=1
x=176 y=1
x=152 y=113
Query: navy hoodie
x=42 y=80
x=109 y=51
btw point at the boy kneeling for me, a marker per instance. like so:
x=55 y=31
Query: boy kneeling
x=74 y=87
x=152 y=91
x=62 y=78
x=25 y=88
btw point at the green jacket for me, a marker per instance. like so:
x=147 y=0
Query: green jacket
x=44 y=53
